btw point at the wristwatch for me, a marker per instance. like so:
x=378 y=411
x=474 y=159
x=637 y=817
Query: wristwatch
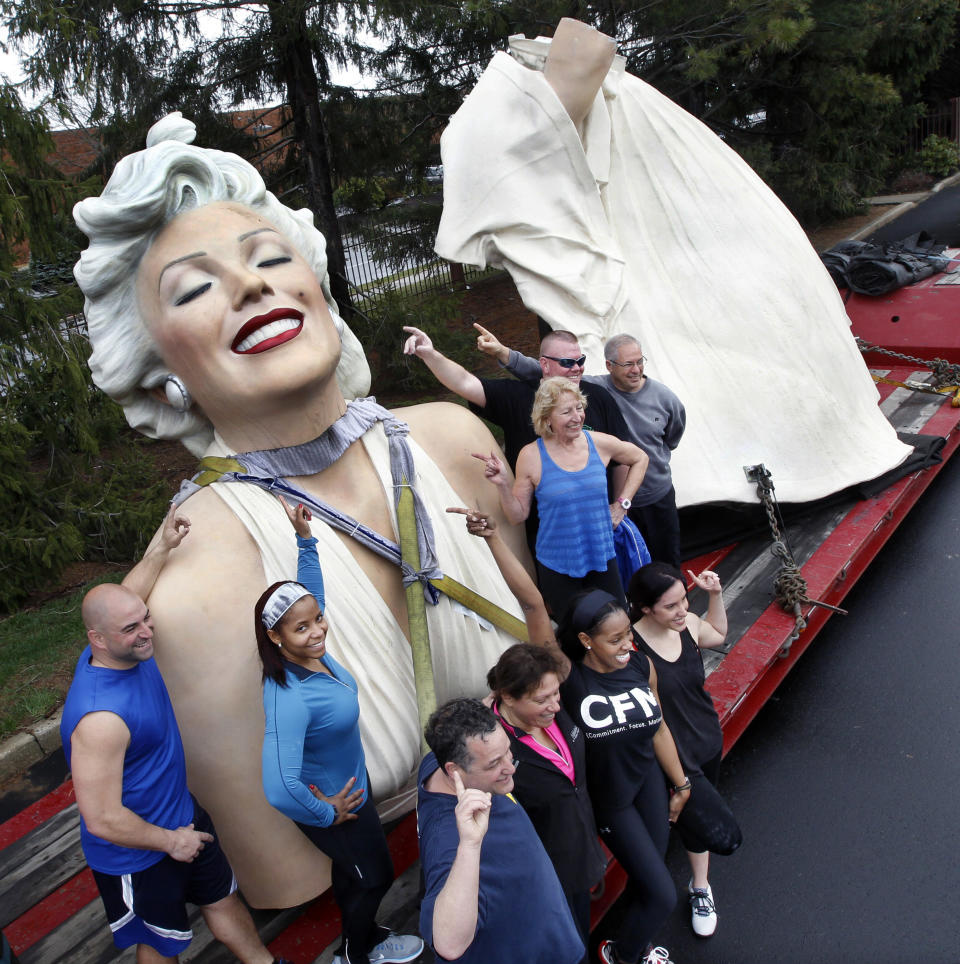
x=624 y=503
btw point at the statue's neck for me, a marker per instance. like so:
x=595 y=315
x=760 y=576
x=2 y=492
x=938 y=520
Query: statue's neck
x=292 y=423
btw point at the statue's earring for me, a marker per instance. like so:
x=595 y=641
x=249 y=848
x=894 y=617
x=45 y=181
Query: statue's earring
x=177 y=394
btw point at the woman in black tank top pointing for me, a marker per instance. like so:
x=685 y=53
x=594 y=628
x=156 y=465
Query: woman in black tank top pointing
x=672 y=637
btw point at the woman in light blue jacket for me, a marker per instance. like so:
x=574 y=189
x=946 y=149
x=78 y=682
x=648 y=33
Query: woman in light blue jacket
x=313 y=764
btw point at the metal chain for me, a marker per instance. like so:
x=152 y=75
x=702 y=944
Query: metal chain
x=789 y=586
x=944 y=373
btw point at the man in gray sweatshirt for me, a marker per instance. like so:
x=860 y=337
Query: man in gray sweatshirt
x=655 y=420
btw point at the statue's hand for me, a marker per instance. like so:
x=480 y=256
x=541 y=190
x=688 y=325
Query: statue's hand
x=418 y=343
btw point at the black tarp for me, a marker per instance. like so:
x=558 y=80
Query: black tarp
x=875 y=269
x=704 y=528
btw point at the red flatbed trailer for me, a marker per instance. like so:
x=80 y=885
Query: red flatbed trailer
x=922 y=319
x=49 y=908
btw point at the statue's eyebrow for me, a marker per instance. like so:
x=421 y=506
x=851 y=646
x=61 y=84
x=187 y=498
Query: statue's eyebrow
x=250 y=234
x=170 y=264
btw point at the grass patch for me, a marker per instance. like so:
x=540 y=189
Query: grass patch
x=38 y=653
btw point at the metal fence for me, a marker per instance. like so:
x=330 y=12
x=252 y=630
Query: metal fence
x=383 y=258
x=944 y=122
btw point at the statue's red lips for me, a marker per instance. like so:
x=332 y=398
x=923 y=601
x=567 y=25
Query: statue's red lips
x=258 y=322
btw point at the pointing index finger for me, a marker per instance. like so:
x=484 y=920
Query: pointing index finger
x=481 y=329
x=458 y=784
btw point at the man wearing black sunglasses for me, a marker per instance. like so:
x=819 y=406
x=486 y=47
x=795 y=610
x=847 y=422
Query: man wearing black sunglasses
x=508 y=403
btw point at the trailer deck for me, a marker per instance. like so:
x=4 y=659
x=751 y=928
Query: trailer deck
x=49 y=908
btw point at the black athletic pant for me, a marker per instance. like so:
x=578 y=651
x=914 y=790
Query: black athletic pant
x=558 y=588
x=706 y=821
x=637 y=837
x=659 y=525
x=361 y=875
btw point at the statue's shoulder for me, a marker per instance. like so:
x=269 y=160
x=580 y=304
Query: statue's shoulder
x=444 y=419
x=217 y=556
x=449 y=434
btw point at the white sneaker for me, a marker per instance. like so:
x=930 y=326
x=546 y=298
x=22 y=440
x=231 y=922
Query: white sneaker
x=657 y=955
x=703 y=912
x=396 y=949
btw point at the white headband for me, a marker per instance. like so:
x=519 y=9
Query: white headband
x=281 y=599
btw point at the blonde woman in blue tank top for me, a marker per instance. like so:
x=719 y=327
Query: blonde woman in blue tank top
x=566 y=470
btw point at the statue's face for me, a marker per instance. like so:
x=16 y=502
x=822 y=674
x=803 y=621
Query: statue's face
x=236 y=312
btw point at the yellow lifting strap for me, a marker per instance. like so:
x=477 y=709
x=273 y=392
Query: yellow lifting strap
x=952 y=390
x=483 y=607
x=213 y=466
x=416 y=612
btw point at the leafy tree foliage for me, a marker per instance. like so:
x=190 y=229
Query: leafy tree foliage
x=825 y=102
x=61 y=497
x=942 y=84
x=816 y=94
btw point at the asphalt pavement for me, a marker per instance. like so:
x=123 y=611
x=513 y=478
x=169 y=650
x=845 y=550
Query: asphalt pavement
x=938 y=215
x=847 y=784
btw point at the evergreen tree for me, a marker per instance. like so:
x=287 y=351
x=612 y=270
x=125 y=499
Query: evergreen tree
x=32 y=304
x=61 y=499
x=943 y=84
x=818 y=95
x=821 y=98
